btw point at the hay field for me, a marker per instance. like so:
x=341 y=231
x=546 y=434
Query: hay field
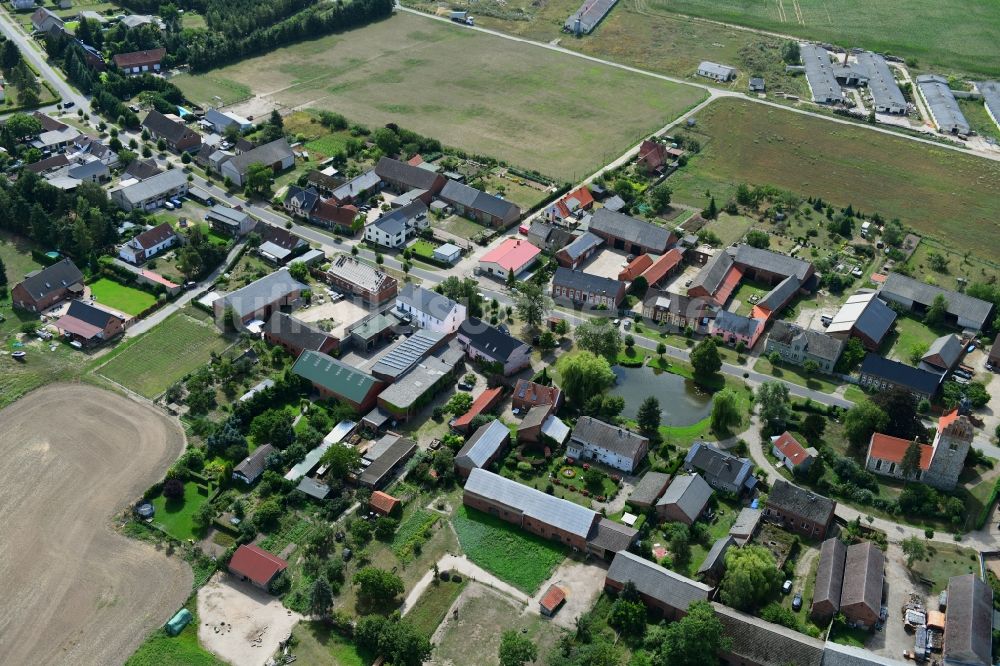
x=76 y=591
x=938 y=192
x=959 y=34
x=526 y=105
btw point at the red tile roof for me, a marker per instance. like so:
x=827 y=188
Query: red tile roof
x=536 y=394
x=139 y=58
x=256 y=564
x=553 y=597
x=728 y=285
x=760 y=312
x=513 y=254
x=327 y=209
x=155 y=236
x=947 y=419
x=383 y=502
x=636 y=268
x=584 y=200
x=893 y=449
x=790 y=448
x=485 y=400
x=877 y=278
x=662 y=266
x=652 y=154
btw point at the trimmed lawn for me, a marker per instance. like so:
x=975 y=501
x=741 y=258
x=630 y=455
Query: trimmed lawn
x=423 y=248
x=459 y=226
x=910 y=332
x=795 y=375
x=121 y=297
x=203 y=88
x=431 y=607
x=442 y=80
x=922 y=185
x=522 y=559
x=164 y=355
x=174 y=516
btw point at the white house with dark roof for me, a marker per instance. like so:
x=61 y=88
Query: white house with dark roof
x=594 y=440
x=429 y=309
x=578 y=287
x=490 y=344
x=393 y=229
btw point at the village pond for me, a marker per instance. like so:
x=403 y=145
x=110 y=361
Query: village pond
x=682 y=402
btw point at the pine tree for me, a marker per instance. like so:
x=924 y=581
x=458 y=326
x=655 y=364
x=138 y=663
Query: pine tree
x=3 y=274
x=648 y=417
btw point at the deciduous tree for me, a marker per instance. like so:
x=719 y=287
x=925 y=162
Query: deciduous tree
x=584 y=374
x=515 y=649
x=705 y=358
x=599 y=336
x=751 y=577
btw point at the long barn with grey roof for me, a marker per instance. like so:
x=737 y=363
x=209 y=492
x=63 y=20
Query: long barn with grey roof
x=585 y=19
x=483 y=448
x=942 y=105
x=962 y=310
x=990 y=90
x=545 y=515
x=623 y=232
x=968 y=626
x=661 y=589
x=822 y=82
x=886 y=95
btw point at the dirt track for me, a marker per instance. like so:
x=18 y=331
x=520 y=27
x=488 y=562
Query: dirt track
x=74 y=590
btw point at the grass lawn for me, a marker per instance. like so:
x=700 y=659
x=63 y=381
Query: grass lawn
x=922 y=185
x=121 y=297
x=459 y=226
x=795 y=375
x=522 y=559
x=164 y=355
x=423 y=248
x=446 y=82
x=979 y=119
x=960 y=265
x=315 y=643
x=729 y=228
x=204 y=88
x=908 y=333
x=431 y=607
x=180 y=650
x=961 y=35
x=638 y=33
x=174 y=516
x=944 y=561
x=745 y=292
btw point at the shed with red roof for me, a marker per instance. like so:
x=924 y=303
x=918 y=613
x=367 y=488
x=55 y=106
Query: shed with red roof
x=486 y=401
x=552 y=600
x=383 y=503
x=791 y=453
x=256 y=565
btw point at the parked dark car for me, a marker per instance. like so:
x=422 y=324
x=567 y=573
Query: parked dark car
x=347 y=554
x=797 y=602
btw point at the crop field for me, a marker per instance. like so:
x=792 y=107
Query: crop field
x=525 y=105
x=518 y=557
x=637 y=33
x=205 y=88
x=164 y=355
x=121 y=297
x=938 y=192
x=959 y=34
x=413 y=531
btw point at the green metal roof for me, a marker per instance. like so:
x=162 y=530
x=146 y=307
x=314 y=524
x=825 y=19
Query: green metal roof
x=333 y=375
